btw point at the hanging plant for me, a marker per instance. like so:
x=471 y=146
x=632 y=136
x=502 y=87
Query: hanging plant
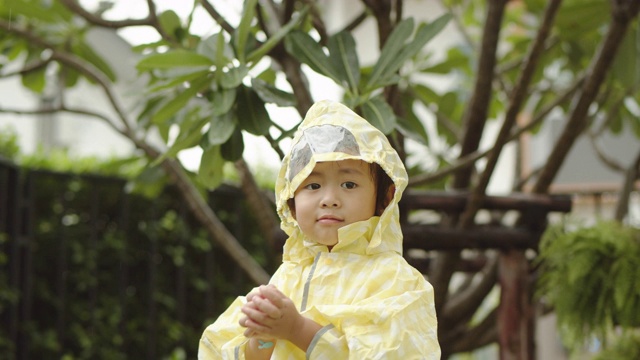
x=590 y=277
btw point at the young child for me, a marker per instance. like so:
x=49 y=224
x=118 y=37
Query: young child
x=343 y=291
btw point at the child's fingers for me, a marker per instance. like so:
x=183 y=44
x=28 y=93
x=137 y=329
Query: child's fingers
x=256 y=316
x=272 y=294
x=256 y=327
x=268 y=308
x=250 y=296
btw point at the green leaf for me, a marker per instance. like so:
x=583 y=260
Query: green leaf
x=173 y=59
x=244 y=29
x=86 y=52
x=35 y=12
x=625 y=67
x=623 y=289
x=179 y=80
x=149 y=107
x=232 y=78
x=616 y=125
x=448 y=103
x=190 y=135
x=275 y=39
x=393 y=60
x=270 y=94
x=269 y=75
x=232 y=150
x=390 y=50
x=379 y=114
x=180 y=101
x=426 y=95
x=455 y=60
x=70 y=76
x=220 y=128
x=576 y=19
x=150 y=182
x=223 y=101
x=343 y=56
x=210 y=173
x=252 y=115
x=209 y=47
x=220 y=60
x=411 y=127
x=14 y=48
x=170 y=22
x=304 y=48
x=35 y=80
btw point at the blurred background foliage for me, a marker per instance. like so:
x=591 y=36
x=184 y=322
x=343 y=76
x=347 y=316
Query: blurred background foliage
x=114 y=274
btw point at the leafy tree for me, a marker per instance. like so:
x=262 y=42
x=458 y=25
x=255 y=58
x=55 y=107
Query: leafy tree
x=518 y=59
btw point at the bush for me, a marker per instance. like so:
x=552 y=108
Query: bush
x=112 y=275
x=590 y=277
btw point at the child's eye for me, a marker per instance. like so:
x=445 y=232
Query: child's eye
x=349 y=185
x=312 y=186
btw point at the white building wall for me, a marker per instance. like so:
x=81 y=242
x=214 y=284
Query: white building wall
x=81 y=135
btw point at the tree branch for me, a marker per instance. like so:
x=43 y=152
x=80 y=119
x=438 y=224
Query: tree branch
x=460 y=27
x=217 y=17
x=63 y=108
x=356 y=21
x=632 y=174
x=577 y=121
x=475 y=116
x=517 y=98
x=76 y=8
x=267 y=220
x=473 y=157
x=34 y=66
x=319 y=25
x=459 y=309
x=150 y=20
x=212 y=223
x=74 y=62
x=610 y=162
x=483 y=334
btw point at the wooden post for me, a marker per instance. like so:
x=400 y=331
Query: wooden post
x=516 y=326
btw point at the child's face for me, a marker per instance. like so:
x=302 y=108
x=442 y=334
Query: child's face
x=335 y=194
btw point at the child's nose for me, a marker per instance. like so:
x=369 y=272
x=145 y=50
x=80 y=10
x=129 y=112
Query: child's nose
x=330 y=198
x=326 y=204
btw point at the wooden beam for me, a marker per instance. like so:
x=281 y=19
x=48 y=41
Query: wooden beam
x=432 y=237
x=456 y=201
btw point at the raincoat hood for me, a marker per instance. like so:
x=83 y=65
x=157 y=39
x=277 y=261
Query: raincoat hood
x=333 y=132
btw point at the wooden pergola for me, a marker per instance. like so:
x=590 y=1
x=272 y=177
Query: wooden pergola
x=516 y=312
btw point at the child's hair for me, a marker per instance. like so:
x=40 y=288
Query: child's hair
x=383 y=184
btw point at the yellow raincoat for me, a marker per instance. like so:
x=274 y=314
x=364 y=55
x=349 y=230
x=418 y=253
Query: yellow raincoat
x=372 y=304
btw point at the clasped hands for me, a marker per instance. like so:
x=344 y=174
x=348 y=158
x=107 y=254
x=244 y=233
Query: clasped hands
x=269 y=314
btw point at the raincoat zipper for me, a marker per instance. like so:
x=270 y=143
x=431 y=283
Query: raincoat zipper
x=305 y=293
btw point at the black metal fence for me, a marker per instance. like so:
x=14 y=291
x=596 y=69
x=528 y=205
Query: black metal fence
x=89 y=271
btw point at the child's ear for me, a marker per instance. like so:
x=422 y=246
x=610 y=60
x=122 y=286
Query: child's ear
x=292 y=206
x=390 y=192
x=387 y=199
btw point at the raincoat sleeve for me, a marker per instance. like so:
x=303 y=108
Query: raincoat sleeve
x=397 y=326
x=224 y=339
